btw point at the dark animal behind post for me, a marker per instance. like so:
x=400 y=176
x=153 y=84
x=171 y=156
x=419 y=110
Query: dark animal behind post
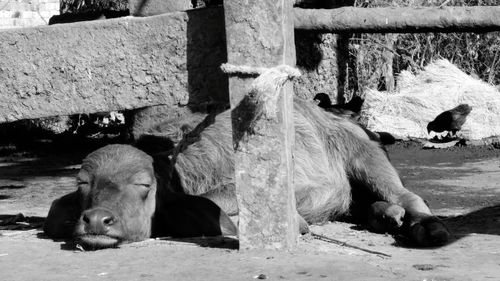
x=352 y=108
x=351 y=111
x=450 y=120
x=323 y=100
x=339 y=110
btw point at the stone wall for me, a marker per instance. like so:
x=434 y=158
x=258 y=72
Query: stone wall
x=27 y=13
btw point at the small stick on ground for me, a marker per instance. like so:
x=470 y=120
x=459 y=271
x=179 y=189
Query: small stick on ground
x=331 y=240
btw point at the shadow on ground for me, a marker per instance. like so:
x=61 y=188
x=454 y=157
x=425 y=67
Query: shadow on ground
x=20 y=222
x=218 y=242
x=483 y=221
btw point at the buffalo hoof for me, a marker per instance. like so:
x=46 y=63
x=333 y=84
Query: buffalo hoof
x=429 y=232
x=385 y=217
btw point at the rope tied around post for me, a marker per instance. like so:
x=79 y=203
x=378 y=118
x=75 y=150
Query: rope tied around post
x=267 y=86
x=232 y=69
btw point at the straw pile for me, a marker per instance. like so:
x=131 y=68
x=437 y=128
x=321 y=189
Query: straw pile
x=419 y=98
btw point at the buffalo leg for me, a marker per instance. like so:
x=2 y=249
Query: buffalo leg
x=381 y=179
x=184 y=215
x=63 y=216
x=225 y=198
x=384 y=217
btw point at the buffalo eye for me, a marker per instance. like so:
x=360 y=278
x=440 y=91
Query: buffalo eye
x=143 y=182
x=83 y=182
x=83 y=187
x=143 y=189
x=144 y=185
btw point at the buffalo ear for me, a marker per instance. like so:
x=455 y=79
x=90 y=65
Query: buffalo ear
x=63 y=215
x=191 y=216
x=227 y=226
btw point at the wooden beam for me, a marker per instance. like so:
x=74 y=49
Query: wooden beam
x=261 y=34
x=399 y=20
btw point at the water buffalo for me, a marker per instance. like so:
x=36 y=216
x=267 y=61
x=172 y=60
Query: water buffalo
x=122 y=197
x=125 y=195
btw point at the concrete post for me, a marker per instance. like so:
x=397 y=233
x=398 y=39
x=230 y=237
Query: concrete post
x=261 y=34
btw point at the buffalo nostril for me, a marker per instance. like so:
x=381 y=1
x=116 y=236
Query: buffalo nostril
x=86 y=219
x=107 y=221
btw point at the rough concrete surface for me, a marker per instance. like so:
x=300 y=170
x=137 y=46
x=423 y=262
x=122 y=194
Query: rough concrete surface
x=318 y=61
x=112 y=65
x=263 y=158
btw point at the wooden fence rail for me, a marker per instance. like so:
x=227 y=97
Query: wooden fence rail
x=399 y=20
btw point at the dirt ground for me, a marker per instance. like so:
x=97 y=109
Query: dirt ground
x=460 y=184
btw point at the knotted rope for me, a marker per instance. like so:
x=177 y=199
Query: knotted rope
x=267 y=86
